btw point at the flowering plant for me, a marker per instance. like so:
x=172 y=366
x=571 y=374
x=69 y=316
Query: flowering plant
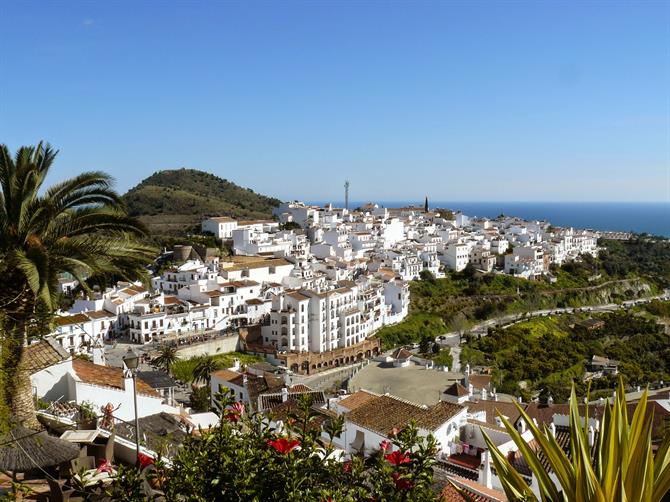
x=251 y=456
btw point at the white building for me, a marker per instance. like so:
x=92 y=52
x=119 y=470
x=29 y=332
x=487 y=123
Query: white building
x=221 y=227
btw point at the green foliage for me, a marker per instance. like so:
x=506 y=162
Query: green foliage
x=200 y=399
x=659 y=308
x=549 y=353
x=167 y=357
x=644 y=256
x=183 y=369
x=412 y=330
x=244 y=460
x=186 y=195
x=77 y=227
x=443 y=357
x=622 y=467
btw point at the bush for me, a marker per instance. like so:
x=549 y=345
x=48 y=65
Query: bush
x=244 y=460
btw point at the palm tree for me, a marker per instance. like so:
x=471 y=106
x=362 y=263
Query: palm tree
x=622 y=467
x=78 y=226
x=167 y=357
x=204 y=368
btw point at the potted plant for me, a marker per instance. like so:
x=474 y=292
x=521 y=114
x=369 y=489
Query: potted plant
x=88 y=417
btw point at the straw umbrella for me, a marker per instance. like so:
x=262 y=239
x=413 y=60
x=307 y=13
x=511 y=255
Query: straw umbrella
x=23 y=449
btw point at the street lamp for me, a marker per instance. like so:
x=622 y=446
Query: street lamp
x=132 y=361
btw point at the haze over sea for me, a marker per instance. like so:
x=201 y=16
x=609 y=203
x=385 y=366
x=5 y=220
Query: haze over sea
x=640 y=217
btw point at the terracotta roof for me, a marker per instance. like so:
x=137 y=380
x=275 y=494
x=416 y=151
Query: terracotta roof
x=491 y=408
x=171 y=300
x=270 y=401
x=480 y=381
x=106 y=376
x=226 y=375
x=357 y=399
x=41 y=355
x=384 y=413
x=100 y=314
x=401 y=353
x=297 y=296
x=254 y=301
x=456 y=389
x=64 y=320
x=475 y=491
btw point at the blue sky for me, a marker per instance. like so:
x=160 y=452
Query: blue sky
x=457 y=100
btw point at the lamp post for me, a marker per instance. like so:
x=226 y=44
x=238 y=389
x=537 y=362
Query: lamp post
x=132 y=360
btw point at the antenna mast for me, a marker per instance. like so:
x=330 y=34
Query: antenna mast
x=346 y=195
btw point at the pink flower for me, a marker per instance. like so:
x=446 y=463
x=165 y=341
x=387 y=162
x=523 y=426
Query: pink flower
x=385 y=445
x=104 y=466
x=397 y=458
x=283 y=445
x=346 y=467
x=235 y=412
x=394 y=432
x=401 y=483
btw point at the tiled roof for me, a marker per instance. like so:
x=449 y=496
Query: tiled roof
x=227 y=375
x=401 y=353
x=41 y=355
x=357 y=399
x=100 y=314
x=269 y=401
x=106 y=376
x=384 y=413
x=456 y=389
x=491 y=408
x=480 y=381
x=475 y=491
x=64 y=320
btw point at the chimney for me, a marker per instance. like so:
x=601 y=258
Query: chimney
x=552 y=429
x=486 y=478
x=550 y=400
x=484 y=396
x=98 y=352
x=592 y=436
x=520 y=399
x=244 y=380
x=284 y=394
x=236 y=365
x=471 y=390
x=522 y=426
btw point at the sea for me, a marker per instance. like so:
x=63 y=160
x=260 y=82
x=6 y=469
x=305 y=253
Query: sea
x=639 y=217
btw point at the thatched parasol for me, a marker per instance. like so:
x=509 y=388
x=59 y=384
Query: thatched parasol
x=24 y=449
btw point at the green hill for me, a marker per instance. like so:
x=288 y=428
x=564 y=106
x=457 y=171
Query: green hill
x=175 y=201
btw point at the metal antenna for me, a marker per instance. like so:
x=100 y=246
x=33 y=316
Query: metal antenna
x=346 y=195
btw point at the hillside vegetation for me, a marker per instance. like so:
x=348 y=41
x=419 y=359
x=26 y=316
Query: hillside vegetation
x=173 y=202
x=624 y=270
x=548 y=353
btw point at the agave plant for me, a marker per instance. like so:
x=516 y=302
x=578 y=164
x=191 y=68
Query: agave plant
x=621 y=467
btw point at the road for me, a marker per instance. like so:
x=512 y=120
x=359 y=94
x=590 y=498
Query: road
x=452 y=339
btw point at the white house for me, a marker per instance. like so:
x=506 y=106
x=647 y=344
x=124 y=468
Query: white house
x=221 y=227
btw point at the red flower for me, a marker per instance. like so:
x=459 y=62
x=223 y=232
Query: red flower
x=235 y=412
x=397 y=458
x=400 y=483
x=145 y=460
x=346 y=467
x=283 y=445
x=385 y=445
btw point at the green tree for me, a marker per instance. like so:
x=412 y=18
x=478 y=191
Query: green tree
x=204 y=368
x=166 y=358
x=78 y=226
x=622 y=467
